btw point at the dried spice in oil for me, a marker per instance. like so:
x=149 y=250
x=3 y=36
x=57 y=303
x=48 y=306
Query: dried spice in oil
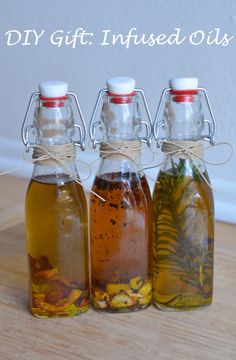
x=121 y=272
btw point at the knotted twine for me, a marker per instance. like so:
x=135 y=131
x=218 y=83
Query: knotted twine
x=118 y=150
x=50 y=155
x=191 y=150
x=63 y=154
x=183 y=149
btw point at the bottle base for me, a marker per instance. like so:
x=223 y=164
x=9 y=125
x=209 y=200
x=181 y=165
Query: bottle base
x=121 y=310
x=44 y=314
x=164 y=307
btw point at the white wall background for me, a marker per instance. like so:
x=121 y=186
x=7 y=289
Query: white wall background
x=86 y=68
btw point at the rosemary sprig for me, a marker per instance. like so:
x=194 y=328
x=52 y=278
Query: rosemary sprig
x=176 y=246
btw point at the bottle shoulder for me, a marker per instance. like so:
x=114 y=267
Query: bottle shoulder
x=131 y=186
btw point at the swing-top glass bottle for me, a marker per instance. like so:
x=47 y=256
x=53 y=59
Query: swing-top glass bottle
x=55 y=208
x=120 y=226
x=183 y=218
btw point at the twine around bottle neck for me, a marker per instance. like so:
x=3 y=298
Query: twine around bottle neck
x=120 y=150
x=51 y=155
x=193 y=151
x=65 y=154
x=184 y=149
x=62 y=155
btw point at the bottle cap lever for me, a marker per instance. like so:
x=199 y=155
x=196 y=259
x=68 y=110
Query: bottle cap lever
x=26 y=128
x=158 y=124
x=94 y=124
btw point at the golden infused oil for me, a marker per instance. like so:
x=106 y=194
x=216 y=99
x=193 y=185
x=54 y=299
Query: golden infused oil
x=183 y=233
x=55 y=207
x=56 y=228
x=183 y=215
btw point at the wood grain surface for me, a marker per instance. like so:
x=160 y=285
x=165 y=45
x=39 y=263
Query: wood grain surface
x=148 y=334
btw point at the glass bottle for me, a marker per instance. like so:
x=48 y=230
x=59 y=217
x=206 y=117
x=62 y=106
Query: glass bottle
x=120 y=226
x=55 y=210
x=183 y=218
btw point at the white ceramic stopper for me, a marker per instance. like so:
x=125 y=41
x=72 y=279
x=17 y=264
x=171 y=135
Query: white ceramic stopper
x=184 y=83
x=121 y=85
x=53 y=88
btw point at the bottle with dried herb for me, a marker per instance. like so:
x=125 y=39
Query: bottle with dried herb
x=120 y=224
x=55 y=207
x=183 y=219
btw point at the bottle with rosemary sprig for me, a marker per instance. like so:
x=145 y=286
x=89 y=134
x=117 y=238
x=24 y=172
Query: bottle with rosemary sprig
x=183 y=219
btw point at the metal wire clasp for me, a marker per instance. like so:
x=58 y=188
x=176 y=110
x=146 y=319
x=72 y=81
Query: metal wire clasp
x=25 y=129
x=95 y=124
x=158 y=124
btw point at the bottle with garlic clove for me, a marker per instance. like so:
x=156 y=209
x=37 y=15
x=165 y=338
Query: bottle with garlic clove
x=120 y=224
x=55 y=206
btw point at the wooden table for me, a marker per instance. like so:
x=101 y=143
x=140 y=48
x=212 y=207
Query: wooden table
x=147 y=335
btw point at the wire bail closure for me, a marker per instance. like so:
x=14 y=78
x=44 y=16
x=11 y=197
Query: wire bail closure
x=159 y=124
x=95 y=124
x=25 y=129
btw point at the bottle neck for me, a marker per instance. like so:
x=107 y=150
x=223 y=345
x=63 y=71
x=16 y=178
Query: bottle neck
x=120 y=118
x=183 y=118
x=120 y=126
x=184 y=121
x=53 y=121
x=54 y=125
